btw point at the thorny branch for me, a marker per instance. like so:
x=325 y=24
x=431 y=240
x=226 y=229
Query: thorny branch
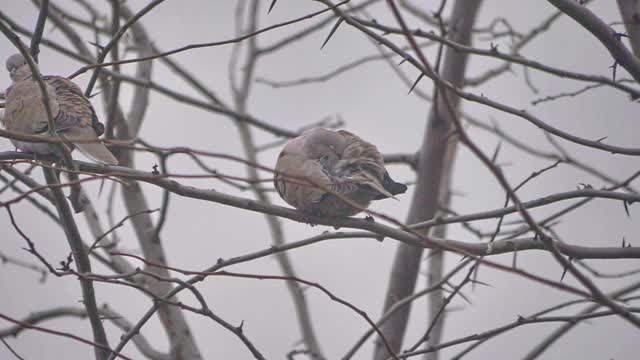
x=507 y=237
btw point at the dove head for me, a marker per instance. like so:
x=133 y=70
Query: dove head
x=18 y=67
x=319 y=144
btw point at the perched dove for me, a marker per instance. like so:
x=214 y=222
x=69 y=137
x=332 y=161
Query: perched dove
x=73 y=114
x=341 y=165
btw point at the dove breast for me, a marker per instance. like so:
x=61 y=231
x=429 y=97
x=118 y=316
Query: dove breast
x=25 y=113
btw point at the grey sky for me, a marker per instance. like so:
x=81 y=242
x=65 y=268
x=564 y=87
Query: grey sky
x=375 y=105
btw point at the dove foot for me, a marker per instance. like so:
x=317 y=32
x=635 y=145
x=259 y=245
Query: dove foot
x=311 y=213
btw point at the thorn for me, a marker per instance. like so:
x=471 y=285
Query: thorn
x=239 y=328
x=480 y=282
x=465 y=298
x=564 y=272
x=415 y=83
x=273 y=3
x=626 y=207
x=614 y=67
x=95 y=94
x=623 y=241
x=333 y=30
x=619 y=35
x=96 y=45
x=602 y=138
x=475 y=280
x=495 y=152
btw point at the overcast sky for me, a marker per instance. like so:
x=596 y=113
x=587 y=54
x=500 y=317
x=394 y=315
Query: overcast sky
x=375 y=105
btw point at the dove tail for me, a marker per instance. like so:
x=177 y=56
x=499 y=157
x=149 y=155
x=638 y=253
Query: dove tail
x=393 y=187
x=95 y=151
x=388 y=188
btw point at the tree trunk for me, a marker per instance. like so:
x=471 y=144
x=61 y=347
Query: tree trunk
x=630 y=13
x=431 y=171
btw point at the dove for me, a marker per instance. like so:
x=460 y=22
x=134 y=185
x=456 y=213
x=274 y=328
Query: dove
x=75 y=119
x=341 y=166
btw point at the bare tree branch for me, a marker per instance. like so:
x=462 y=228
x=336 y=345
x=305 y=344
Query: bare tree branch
x=603 y=33
x=34 y=49
x=630 y=12
x=543 y=220
x=97 y=346
x=431 y=173
x=39 y=316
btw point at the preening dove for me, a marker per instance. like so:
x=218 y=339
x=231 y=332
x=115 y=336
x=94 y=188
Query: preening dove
x=74 y=117
x=341 y=165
